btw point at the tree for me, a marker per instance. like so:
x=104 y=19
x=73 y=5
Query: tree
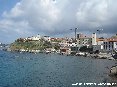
x=56 y=47
x=85 y=49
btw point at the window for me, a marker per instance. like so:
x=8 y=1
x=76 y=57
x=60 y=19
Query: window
x=104 y=46
x=112 y=46
x=109 y=46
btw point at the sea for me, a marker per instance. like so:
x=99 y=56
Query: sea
x=52 y=70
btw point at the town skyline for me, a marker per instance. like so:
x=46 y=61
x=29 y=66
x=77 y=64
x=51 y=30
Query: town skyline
x=55 y=18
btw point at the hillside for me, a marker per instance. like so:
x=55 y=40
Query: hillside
x=30 y=45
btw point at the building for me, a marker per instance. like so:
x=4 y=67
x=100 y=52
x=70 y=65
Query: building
x=64 y=44
x=106 y=44
x=65 y=50
x=75 y=49
x=38 y=37
x=80 y=35
x=100 y=41
x=72 y=44
x=33 y=38
x=93 y=41
x=57 y=39
x=110 y=45
x=64 y=47
x=47 y=38
x=84 y=40
x=97 y=47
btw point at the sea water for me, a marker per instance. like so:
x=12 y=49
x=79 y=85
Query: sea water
x=51 y=70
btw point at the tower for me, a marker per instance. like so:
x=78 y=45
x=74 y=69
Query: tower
x=94 y=39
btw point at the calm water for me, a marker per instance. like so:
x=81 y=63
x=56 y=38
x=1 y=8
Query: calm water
x=50 y=70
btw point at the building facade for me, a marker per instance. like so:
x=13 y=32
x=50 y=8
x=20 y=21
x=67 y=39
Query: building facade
x=110 y=45
x=86 y=41
x=47 y=38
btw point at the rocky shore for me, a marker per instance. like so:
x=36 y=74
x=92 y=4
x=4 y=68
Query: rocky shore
x=102 y=56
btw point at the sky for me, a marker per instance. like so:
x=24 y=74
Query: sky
x=55 y=18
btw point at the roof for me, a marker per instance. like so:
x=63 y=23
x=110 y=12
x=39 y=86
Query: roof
x=107 y=39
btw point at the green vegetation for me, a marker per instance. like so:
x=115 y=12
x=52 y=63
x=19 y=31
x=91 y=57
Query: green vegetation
x=30 y=45
x=56 y=47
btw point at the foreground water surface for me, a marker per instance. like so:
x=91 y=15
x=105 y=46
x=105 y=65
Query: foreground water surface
x=50 y=70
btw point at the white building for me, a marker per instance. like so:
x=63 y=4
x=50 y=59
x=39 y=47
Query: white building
x=98 y=47
x=47 y=38
x=35 y=38
x=63 y=44
x=85 y=41
x=72 y=44
x=38 y=37
x=110 y=45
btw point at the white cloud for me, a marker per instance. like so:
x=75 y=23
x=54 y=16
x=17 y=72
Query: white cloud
x=41 y=14
x=58 y=16
x=97 y=13
x=93 y=12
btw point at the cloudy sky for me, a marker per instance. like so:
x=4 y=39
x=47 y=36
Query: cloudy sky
x=23 y=18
